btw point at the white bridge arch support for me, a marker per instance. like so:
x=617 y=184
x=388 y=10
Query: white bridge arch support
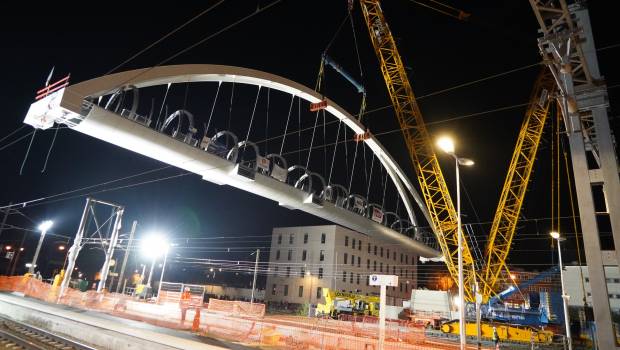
x=71 y=106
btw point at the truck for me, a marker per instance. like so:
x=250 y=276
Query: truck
x=337 y=302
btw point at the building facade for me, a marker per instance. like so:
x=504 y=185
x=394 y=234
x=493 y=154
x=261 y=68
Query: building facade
x=577 y=281
x=302 y=260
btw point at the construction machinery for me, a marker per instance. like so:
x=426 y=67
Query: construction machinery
x=337 y=303
x=478 y=279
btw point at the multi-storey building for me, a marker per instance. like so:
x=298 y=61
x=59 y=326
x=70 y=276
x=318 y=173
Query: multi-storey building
x=302 y=260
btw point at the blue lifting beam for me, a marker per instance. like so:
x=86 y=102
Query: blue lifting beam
x=338 y=68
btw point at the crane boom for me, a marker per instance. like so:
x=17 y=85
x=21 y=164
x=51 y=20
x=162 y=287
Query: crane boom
x=419 y=145
x=517 y=178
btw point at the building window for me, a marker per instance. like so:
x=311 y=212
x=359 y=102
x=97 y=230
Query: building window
x=587 y=280
x=401 y=287
x=359 y=245
x=368 y=264
x=359 y=261
x=393 y=270
x=368 y=248
x=290 y=254
x=401 y=258
x=401 y=273
x=280 y=239
x=344 y=276
x=367 y=281
x=358 y=278
x=291 y=239
x=380 y=267
x=288 y=271
x=305 y=238
x=277 y=255
x=352 y=260
x=302 y=272
x=388 y=253
x=346 y=241
x=301 y=291
x=322 y=238
x=303 y=255
x=318 y=292
x=353 y=244
x=321 y=255
x=273 y=290
x=387 y=268
x=346 y=258
x=320 y=272
x=394 y=256
x=276 y=269
x=286 y=290
x=374 y=265
x=375 y=250
x=351 y=277
x=406 y=259
x=381 y=255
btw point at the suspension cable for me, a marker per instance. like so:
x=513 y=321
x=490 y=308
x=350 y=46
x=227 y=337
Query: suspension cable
x=267 y=123
x=230 y=107
x=161 y=109
x=331 y=169
x=288 y=118
x=372 y=165
x=316 y=120
x=252 y=117
x=353 y=167
x=219 y=84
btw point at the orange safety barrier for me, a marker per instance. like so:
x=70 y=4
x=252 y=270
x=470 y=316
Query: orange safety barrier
x=237 y=308
x=239 y=321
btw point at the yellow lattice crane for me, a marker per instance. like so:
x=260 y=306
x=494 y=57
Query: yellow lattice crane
x=419 y=144
x=428 y=172
x=515 y=184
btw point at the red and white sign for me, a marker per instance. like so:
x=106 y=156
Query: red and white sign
x=377 y=215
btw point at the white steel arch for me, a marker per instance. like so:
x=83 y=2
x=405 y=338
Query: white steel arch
x=69 y=106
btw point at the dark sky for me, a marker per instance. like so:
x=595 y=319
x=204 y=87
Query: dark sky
x=287 y=40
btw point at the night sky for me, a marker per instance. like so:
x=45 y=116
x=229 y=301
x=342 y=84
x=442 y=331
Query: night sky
x=287 y=39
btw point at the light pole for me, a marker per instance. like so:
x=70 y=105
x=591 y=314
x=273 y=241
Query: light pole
x=153 y=246
x=447 y=145
x=254 y=279
x=44 y=227
x=565 y=296
x=163 y=268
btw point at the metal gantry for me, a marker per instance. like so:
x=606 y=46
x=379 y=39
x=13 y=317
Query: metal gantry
x=419 y=144
x=567 y=46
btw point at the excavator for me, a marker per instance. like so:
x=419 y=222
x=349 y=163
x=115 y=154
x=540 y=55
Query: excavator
x=481 y=282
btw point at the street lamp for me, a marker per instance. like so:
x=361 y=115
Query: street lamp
x=556 y=235
x=153 y=246
x=43 y=227
x=447 y=145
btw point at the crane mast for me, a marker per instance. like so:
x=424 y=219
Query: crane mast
x=517 y=179
x=419 y=145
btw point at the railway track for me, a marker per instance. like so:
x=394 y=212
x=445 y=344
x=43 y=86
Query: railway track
x=16 y=335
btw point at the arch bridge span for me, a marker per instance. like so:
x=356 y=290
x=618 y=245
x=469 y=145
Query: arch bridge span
x=80 y=107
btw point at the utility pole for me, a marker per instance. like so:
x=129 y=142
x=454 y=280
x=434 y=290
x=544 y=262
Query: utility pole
x=7 y=210
x=133 y=231
x=254 y=281
x=110 y=252
x=75 y=249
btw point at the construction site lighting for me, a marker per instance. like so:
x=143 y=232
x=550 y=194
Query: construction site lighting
x=554 y=234
x=154 y=245
x=465 y=162
x=61 y=247
x=446 y=144
x=8 y=247
x=45 y=226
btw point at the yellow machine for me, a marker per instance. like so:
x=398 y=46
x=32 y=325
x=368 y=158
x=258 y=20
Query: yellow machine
x=505 y=332
x=347 y=303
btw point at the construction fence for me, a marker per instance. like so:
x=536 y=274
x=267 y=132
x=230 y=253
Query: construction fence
x=236 y=321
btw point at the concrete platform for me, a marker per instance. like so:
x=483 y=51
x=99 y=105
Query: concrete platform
x=101 y=330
